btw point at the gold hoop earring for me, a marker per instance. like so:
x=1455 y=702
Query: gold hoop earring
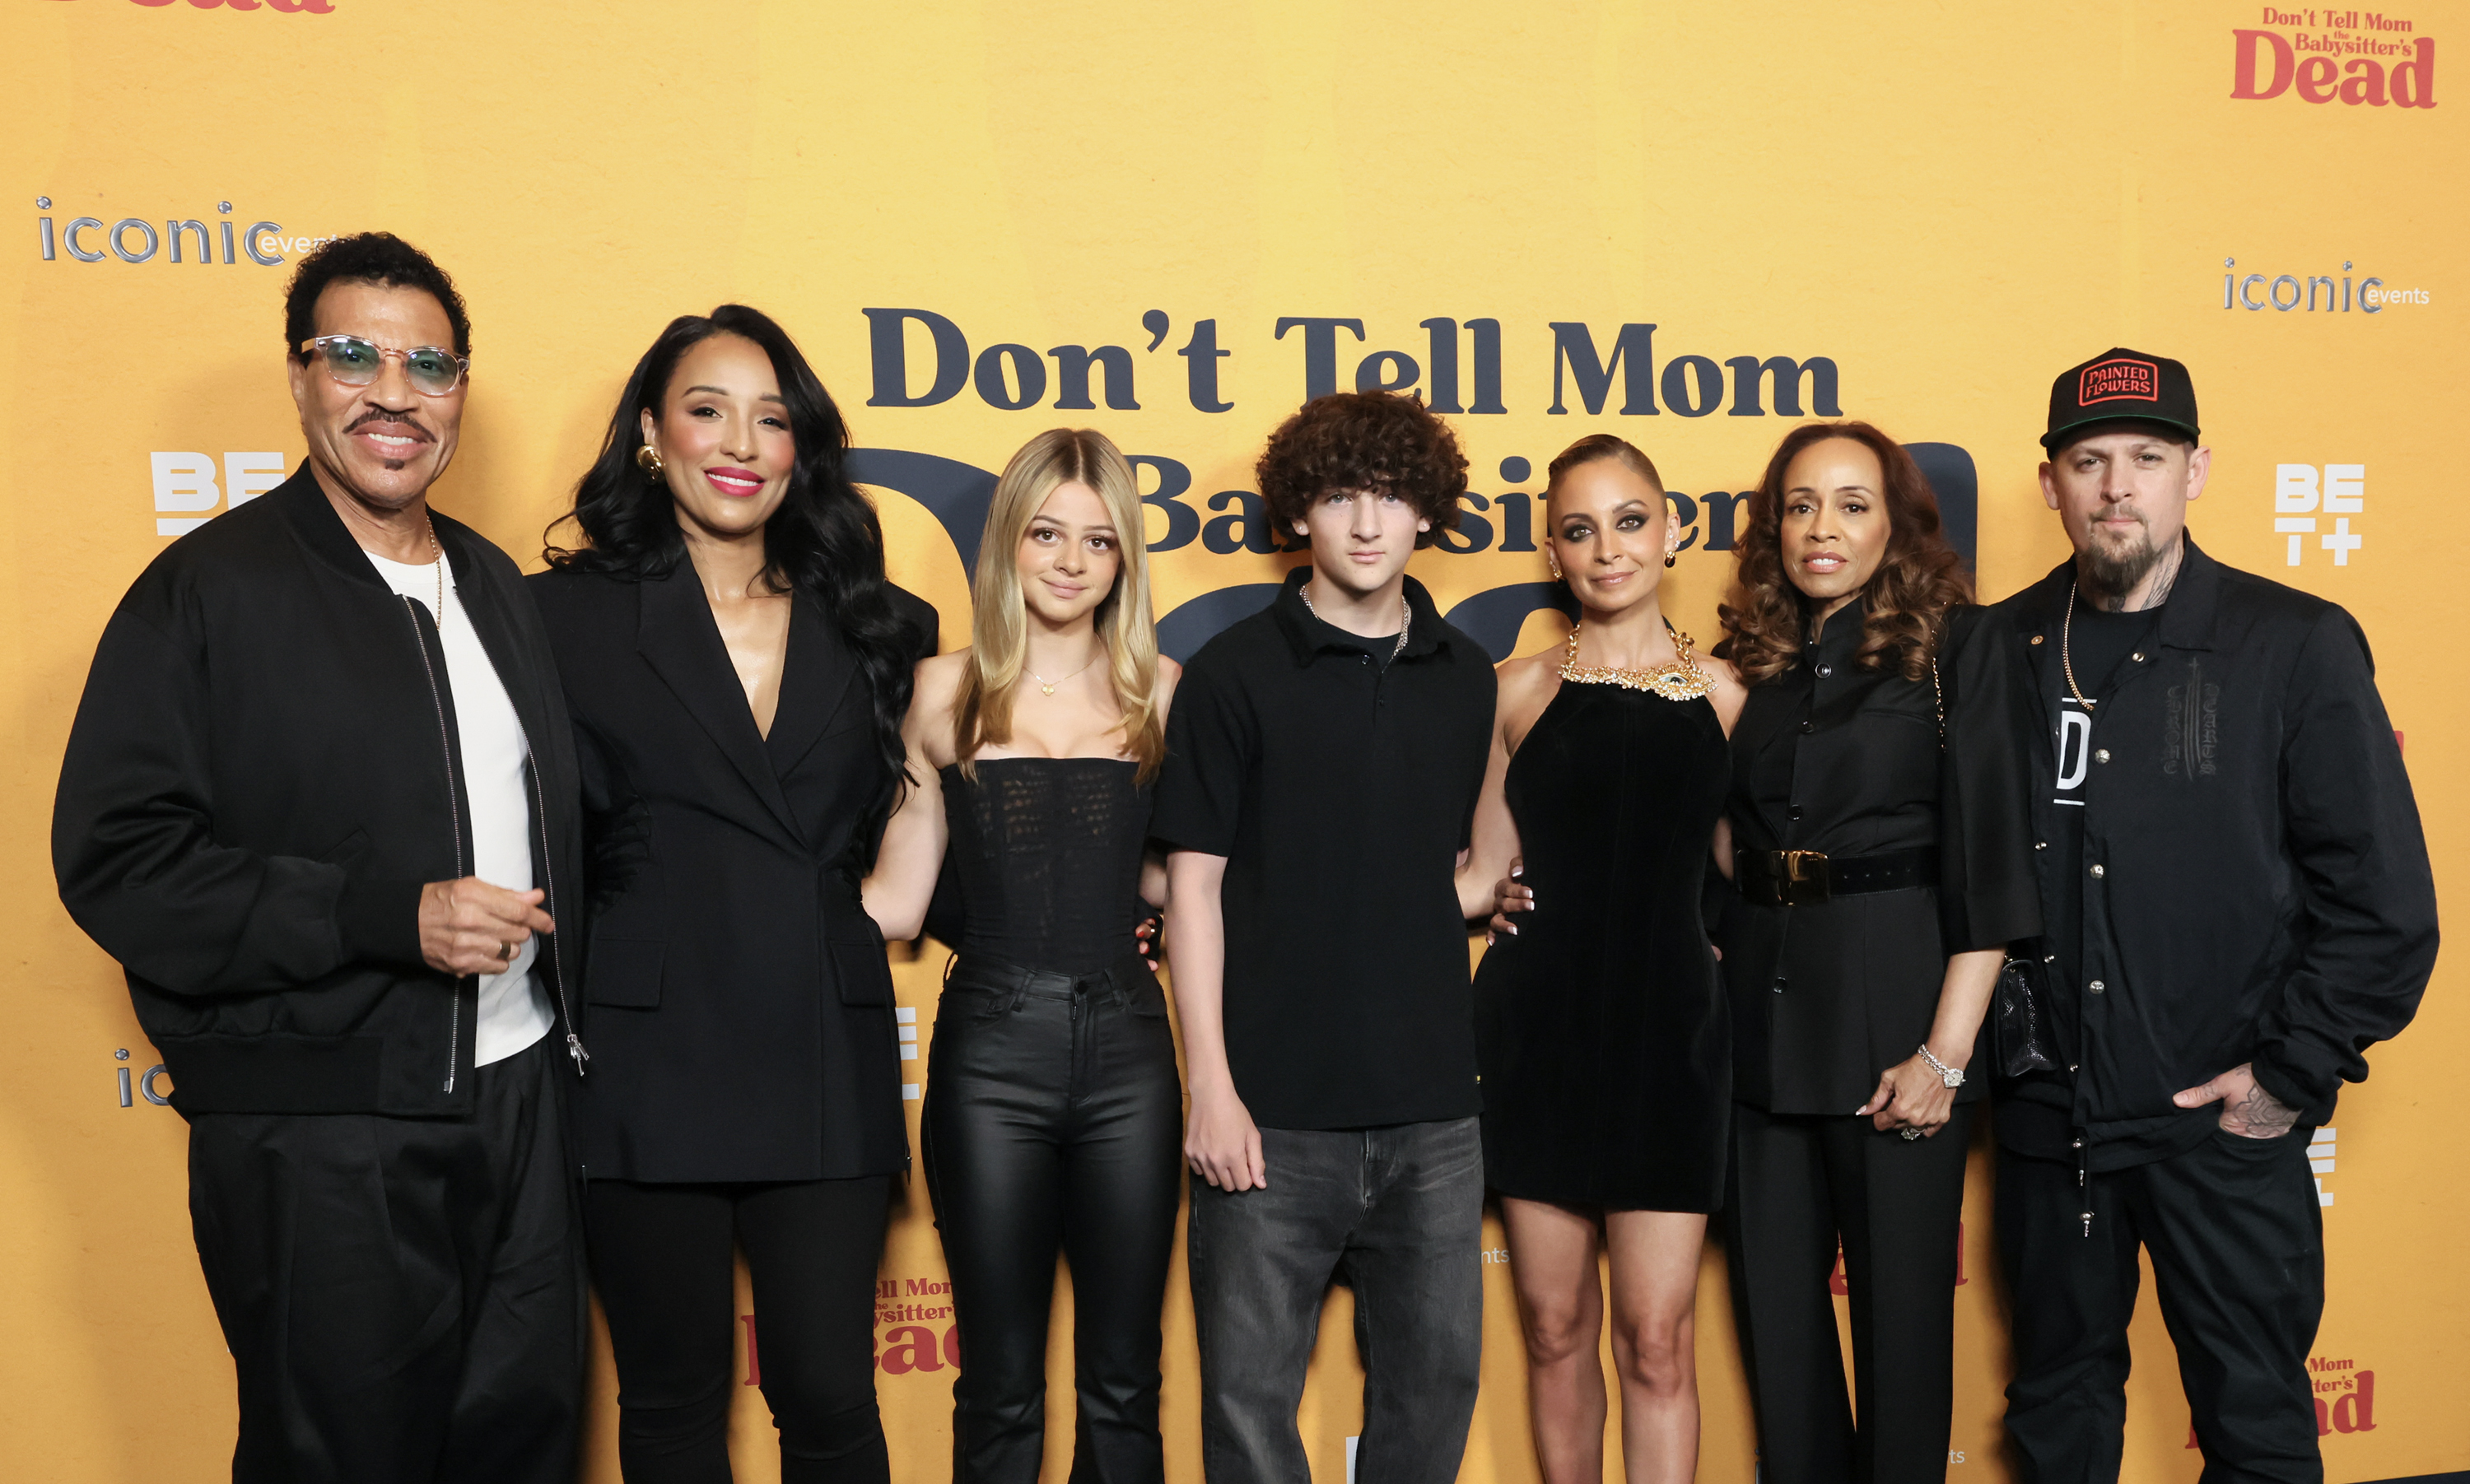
x=648 y=459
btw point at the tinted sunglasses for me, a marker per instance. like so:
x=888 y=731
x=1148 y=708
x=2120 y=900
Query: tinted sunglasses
x=431 y=370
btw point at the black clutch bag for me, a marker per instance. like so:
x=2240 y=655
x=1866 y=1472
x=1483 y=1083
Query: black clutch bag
x=2019 y=1012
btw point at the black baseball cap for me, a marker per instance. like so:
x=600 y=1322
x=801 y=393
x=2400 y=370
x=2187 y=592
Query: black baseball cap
x=2121 y=385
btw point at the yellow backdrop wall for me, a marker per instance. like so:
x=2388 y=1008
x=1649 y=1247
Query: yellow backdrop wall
x=1929 y=209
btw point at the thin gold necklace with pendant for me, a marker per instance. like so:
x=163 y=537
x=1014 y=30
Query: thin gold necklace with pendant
x=1048 y=685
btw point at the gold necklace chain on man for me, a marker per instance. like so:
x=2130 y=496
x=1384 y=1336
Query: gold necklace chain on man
x=2066 y=631
x=1680 y=680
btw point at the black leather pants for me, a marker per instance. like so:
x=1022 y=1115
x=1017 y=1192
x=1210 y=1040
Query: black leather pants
x=1054 y=1119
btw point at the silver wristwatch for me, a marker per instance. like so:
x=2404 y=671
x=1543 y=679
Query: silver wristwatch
x=1945 y=1073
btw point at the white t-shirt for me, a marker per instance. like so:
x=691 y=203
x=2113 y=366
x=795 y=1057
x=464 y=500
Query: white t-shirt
x=514 y=1011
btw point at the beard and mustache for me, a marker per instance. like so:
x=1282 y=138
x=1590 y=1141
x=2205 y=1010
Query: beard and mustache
x=2115 y=565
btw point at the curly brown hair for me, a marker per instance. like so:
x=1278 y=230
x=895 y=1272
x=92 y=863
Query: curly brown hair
x=1905 y=605
x=1362 y=440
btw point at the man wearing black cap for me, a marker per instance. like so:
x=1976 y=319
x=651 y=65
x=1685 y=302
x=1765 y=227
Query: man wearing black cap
x=2239 y=903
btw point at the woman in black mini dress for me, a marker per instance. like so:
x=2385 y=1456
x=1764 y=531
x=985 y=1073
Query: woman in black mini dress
x=1599 y=1017
x=1883 y=859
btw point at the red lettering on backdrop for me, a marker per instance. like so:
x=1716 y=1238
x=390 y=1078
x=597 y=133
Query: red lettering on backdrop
x=2352 y=1411
x=912 y=1346
x=2413 y=81
x=2315 y=79
x=2243 y=81
x=2365 y=84
x=287 y=6
x=2355 y=1411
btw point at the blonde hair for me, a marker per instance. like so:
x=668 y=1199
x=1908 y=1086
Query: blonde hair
x=999 y=628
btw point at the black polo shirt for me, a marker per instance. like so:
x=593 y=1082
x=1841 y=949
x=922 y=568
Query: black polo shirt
x=1340 y=790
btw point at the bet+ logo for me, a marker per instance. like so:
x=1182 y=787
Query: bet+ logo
x=2301 y=498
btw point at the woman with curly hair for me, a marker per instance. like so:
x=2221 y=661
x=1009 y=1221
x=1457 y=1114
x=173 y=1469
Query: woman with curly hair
x=1880 y=848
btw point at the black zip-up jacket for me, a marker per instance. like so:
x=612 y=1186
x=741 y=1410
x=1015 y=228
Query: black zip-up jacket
x=2256 y=887
x=263 y=774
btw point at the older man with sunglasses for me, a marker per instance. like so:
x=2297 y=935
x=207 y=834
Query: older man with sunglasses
x=319 y=803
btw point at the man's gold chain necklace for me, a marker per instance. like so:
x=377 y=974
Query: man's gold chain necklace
x=2066 y=630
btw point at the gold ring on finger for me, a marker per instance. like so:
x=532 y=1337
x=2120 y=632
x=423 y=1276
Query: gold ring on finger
x=505 y=953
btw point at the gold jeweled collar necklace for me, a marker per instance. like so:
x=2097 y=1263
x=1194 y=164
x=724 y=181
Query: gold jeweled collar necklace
x=1680 y=680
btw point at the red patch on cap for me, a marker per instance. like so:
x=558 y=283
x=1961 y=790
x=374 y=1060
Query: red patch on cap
x=2126 y=379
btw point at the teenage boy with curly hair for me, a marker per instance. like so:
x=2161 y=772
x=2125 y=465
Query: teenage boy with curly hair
x=1322 y=765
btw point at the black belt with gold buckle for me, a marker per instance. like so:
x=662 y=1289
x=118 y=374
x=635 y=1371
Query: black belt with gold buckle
x=1803 y=878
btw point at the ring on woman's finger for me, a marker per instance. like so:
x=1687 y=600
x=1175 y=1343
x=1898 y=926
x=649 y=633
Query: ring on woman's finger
x=1910 y=1133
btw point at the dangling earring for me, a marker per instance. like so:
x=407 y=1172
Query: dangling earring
x=1552 y=562
x=648 y=459
x=1671 y=558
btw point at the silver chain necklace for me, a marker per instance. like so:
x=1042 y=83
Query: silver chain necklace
x=1406 y=617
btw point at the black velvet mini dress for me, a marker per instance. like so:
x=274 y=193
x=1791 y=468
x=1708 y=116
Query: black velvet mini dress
x=1602 y=1027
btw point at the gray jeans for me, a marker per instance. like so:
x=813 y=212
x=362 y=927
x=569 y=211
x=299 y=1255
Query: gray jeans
x=1398 y=1212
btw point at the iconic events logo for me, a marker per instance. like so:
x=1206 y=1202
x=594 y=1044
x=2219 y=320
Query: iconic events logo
x=2390 y=63
x=133 y=240
x=2317 y=291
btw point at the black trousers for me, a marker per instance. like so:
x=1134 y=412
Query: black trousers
x=403 y=1297
x=1054 y=1119
x=1798 y=1185
x=2237 y=1239
x=662 y=1260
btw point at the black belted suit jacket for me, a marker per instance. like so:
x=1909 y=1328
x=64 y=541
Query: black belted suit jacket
x=737 y=1001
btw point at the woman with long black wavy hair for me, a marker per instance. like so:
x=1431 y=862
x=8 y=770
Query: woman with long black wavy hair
x=738 y=669
x=1881 y=848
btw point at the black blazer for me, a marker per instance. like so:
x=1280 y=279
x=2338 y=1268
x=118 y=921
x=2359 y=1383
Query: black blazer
x=737 y=1001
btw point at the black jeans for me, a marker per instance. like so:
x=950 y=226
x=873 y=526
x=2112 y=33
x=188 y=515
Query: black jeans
x=403 y=1296
x=2237 y=1239
x=662 y=1261
x=1799 y=1186
x=1400 y=1210
x=1054 y=1118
